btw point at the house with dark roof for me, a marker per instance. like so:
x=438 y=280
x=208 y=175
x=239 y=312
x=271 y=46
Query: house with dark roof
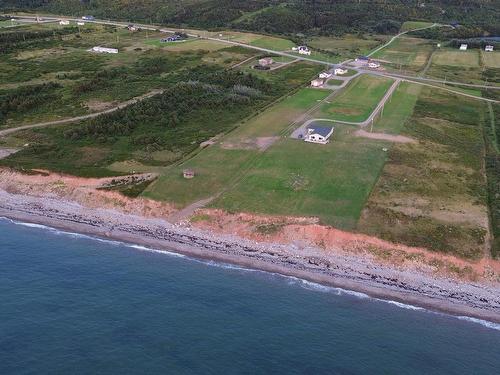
x=318 y=134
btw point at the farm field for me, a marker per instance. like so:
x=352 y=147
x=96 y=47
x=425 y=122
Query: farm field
x=348 y=46
x=456 y=58
x=433 y=193
x=357 y=101
x=406 y=53
x=273 y=43
x=491 y=59
x=220 y=163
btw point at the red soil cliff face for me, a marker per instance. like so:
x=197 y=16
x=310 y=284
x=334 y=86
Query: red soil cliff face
x=300 y=233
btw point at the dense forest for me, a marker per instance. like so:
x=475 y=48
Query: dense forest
x=283 y=16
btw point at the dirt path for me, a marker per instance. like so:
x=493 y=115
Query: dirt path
x=80 y=118
x=384 y=137
x=188 y=211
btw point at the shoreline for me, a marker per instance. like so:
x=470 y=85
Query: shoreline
x=458 y=298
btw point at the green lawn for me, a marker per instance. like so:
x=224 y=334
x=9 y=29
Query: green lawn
x=348 y=46
x=456 y=58
x=331 y=181
x=218 y=165
x=357 y=100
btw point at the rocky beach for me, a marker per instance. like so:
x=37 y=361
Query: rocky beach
x=478 y=299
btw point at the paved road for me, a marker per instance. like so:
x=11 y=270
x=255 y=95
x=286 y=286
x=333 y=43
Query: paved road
x=303 y=58
x=79 y=118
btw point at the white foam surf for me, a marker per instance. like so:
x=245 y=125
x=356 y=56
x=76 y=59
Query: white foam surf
x=484 y=323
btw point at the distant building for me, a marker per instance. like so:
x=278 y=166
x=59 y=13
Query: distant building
x=488 y=48
x=132 y=28
x=266 y=61
x=63 y=22
x=373 y=65
x=325 y=74
x=339 y=71
x=463 y=47
x=318 y=134
x=362 y=59
x=174 y=38
x=318 y=82
x=88 y=18
x=79 y=23
x=188 y=173
x=98 y=49
x=303 y=50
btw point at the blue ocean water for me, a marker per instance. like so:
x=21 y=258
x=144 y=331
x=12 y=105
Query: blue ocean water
x=71 y=304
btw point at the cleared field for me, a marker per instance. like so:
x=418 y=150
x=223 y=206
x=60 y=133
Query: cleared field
x=273 y=43
x=331 y=181
x=357 y=100
x=219 y=164
x=347 y=46
x=188 y=45
x=412 y=25
x=456 y=58
x=407 y=53
x=491 y=59
x=433 y=193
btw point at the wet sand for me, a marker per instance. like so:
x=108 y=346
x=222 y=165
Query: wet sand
x=475 y=299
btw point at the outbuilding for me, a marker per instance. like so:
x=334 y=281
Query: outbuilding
x=266 y=61
x=318 y=82
x=98 y=49
x=188 y=173
x=463 y=47
x=488 y=48
x=319 y=134
x=339 y=71
x=63 y=22
x=325 y=75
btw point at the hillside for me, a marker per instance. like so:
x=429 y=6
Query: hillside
x=282 y=16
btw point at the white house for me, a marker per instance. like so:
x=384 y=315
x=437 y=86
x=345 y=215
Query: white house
x=463 y=47
x=63 y=22
x=373 y=65
x=325 y=75
x=318 y=134
x=488 y=48
x=318 y=82
x=80 y=23
x=303 y=50
x=266 y=61
x=339 y=71
x=98 y=49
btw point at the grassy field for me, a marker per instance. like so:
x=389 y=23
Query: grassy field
x=412 y=25
x=398 y=109
x=331 y=182
x=433 y=193
x=188 y=45
x=491 y=59
x=348 y=46
x=357 y=100
x=456 y=58
x=273 y=43
x=406 y=53
x=217 y=165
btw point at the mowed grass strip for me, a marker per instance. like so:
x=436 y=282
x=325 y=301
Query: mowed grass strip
x=356 y=101
x=456 y=58
x=296 y=178
x=218 y=165
x=398 y=109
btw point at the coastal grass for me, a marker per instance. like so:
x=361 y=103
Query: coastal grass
x=433 y=193
x=219 y=165
x=356 y=101
x=297 y=178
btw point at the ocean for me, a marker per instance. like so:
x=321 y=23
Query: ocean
x=72 y=304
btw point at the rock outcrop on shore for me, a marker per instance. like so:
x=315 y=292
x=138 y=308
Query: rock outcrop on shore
x=479 y=299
